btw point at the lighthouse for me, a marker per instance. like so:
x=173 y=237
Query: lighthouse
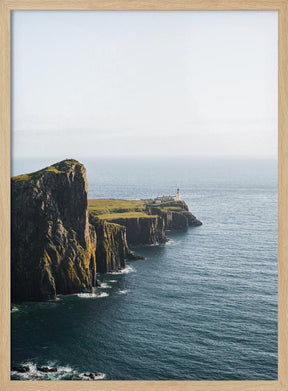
x=178 y=194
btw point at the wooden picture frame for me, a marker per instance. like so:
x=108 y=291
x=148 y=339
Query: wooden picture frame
x=252 y=5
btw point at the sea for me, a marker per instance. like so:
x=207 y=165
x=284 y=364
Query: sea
x=201 y=307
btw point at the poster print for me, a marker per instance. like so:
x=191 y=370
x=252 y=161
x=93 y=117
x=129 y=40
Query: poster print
x=144 y=196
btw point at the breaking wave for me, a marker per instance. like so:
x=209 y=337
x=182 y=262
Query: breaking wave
x=128 y=269
x=62 y=373
x=98 y=295
x=123 y=291
x=105 y=285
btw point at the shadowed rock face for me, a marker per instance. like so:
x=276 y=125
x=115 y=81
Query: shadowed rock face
x=151 y=229
x=112 y=248
x=143 y=230
x=176 y=216
x=52 y=249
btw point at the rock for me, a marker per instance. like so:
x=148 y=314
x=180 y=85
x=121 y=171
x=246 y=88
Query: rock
x=98 y=283
x=151 y=229
x=92 y=376
x=193 y=221
x=112 y=248
x=53 y=248
x=55 y=242
x=47 y=369
x=133 y=257
x=175 y=214
x=21 y=369
x=143 y=230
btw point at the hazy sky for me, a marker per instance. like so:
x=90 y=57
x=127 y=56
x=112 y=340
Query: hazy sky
x=144 y=83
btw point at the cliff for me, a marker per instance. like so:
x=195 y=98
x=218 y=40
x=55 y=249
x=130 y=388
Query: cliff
x=53 y=247
x=59 y=242
x=145 y=222
x=175 y=214
x=112 y=248
x=143 y=230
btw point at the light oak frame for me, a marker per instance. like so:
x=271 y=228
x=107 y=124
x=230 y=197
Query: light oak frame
x=6 y=6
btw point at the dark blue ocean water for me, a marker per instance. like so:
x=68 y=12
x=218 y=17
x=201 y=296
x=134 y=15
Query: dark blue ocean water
x=201 y=307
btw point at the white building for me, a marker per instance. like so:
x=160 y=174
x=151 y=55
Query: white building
x=168 y=198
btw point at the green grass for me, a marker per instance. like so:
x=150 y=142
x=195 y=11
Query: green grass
x=111 y=209
x=107 y=206
x=125 y=215
x=172 y=206
x=57 y=168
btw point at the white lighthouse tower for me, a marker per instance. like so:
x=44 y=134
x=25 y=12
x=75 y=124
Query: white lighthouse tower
x=178 y=194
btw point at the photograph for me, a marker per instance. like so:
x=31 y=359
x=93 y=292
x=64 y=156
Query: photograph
x=144 y=195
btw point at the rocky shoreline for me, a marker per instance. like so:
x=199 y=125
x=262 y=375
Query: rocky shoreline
x=32 y=371
x=61 y=240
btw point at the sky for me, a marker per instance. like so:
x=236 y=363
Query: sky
x=144 y=83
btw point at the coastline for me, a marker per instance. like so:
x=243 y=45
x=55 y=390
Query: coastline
x=214 y=281
x=61 y=240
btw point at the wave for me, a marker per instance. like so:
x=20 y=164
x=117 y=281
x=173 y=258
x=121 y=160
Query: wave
x=98 y=376
x=62 y=373
x=128 y=269
x=112 y=280
x=34 y=374
x=98 y=295
x=14 y=309
x=157 y=244
x=105 y=285
x=172 y=242
x=123 y=291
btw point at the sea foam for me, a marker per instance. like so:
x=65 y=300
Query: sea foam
x=128 y=269
x=123 y=291
x=105 y=285
x=92 y=295
x=63 y=373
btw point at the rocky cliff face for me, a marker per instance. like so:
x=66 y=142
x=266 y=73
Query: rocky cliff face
x=144 y=230
x=57 y=247
x=160 y=218
x=112 y=248
x=176 y=215
x=52 y=249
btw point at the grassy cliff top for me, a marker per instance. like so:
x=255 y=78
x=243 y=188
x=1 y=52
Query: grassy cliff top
x=57 y=168
x=112 y=209
x=106 y=206
x=125 y=215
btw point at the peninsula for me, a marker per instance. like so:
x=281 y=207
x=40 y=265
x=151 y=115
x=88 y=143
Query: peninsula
x=61 y=240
